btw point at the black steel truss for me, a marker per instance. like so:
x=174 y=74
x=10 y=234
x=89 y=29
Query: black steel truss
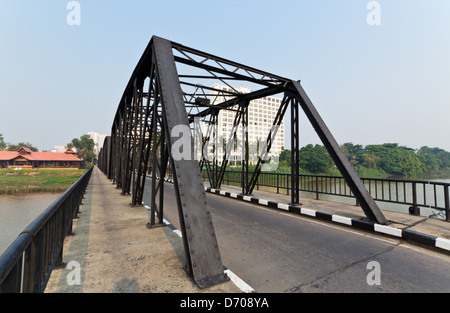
x=173 y=85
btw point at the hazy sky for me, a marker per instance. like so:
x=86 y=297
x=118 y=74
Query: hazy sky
x=371 y=84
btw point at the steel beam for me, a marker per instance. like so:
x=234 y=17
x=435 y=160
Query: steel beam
x=295 y=147
x=204 y=262
x=245 y=153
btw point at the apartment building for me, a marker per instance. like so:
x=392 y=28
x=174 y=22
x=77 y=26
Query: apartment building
x=261 y=115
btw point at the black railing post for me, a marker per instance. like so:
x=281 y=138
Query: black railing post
x=278 y=183
x=414 y=210
x=447 y=203
x=287 y=183
x=317 y=188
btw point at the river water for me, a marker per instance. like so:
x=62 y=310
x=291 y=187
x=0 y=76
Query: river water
x=17 y=211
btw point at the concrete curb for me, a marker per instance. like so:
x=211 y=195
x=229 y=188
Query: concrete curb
x=410 y=235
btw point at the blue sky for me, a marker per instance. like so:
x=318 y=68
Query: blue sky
x=371 y=84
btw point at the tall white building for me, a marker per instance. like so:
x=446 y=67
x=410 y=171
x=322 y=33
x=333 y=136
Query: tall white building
x=98 y=140
x=261 y=115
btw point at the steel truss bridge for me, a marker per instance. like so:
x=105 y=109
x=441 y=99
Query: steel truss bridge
x=172 y=86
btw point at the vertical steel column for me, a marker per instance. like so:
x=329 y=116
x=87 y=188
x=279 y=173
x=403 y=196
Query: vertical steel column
x=129 y=149
x=154 y=164
x=113 y=152
x=124 y=155
x=137 y=135
x=120 y=147
x=211 y=133
x=243 y=105
x=295 y=121
x=447 y=202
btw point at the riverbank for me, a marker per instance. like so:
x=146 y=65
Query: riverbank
x=38 y=180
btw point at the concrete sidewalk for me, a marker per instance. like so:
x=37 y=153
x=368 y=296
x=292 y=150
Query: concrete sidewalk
x=112 y=250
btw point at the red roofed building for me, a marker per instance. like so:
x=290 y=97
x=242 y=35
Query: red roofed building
x=26 y=158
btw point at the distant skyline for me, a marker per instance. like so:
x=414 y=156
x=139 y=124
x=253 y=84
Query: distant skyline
x=377 y=71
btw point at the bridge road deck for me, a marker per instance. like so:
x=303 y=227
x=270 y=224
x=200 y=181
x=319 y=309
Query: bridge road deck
x=276 y=251
x=118 y=253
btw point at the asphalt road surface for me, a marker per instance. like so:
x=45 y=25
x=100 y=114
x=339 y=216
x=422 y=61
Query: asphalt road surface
x=277 y=252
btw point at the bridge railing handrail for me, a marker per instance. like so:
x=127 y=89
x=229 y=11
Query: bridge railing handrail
x=422 y=193
x=28 y=262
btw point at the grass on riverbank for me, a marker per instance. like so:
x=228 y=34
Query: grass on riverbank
x=29 y=180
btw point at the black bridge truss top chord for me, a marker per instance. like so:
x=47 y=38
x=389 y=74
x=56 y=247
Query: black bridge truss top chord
x=174 y=85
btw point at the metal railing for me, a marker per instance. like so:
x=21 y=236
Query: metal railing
x=414 y=193
x=26 y=265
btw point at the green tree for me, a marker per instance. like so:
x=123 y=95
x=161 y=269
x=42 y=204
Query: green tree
x=371 y=160
x=85 y=149
x=396 y=160
x=354 y=153
x=440 y=154
x=16 y=147
x=2 y=143
x=429 y=162
x=285 y=157
x=315 y=159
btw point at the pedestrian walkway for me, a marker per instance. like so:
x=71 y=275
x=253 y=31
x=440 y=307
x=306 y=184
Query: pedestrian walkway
x=112 y=250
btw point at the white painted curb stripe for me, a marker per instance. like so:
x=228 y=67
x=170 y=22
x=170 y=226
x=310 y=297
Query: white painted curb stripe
x=246 y=198
x=283 y=206
x=443 y=243
x=388 y=230
x=264 y=202
x=342 y=220
x=239 y=282
x=308 y=212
